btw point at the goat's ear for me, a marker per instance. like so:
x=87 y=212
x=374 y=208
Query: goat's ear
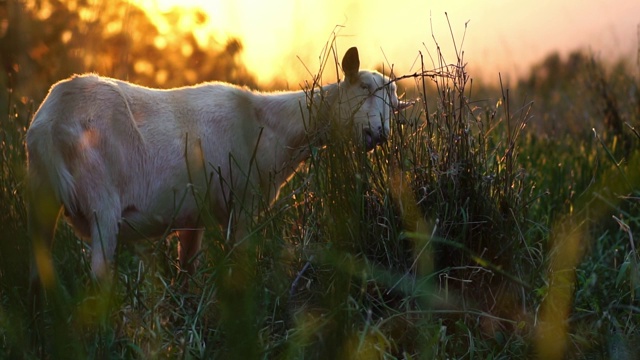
x=351 y=65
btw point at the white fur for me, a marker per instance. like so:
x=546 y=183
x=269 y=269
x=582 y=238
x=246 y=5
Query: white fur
x=128 y=162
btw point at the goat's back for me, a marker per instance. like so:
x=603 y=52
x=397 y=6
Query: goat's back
x=99 y=142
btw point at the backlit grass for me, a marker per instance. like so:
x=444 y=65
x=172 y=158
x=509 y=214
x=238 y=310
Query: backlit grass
x=468 y=235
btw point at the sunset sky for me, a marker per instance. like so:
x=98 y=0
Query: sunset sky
x=501 y=35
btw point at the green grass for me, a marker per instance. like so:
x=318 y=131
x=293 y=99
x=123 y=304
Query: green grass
x=475 y=232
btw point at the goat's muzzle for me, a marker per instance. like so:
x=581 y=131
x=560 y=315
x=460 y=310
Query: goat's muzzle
x=371 y=139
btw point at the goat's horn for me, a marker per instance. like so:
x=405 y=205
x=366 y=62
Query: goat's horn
x=402 y=104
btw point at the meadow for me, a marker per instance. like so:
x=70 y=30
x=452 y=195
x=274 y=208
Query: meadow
x=496 y=223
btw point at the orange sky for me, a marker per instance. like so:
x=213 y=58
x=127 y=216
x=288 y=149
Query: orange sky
x=502 y=35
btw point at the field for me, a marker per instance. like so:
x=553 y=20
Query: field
x=497 y=222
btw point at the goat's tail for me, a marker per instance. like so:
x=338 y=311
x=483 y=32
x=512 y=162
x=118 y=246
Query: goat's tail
x=49 y=174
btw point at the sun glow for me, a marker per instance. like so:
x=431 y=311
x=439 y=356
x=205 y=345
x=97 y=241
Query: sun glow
x=283 y=39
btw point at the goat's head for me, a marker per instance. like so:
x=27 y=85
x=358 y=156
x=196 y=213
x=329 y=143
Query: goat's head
x=368 y=98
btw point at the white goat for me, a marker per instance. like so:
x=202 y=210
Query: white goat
x=129 y=162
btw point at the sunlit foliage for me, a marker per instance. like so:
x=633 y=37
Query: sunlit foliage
x=47 y=40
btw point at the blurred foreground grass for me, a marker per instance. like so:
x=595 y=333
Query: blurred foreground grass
x=491 y=228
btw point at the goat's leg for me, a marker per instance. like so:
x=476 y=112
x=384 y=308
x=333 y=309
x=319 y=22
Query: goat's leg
x=42 y=215
x=43 y=212
x=104 y=234
x=190 y=242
